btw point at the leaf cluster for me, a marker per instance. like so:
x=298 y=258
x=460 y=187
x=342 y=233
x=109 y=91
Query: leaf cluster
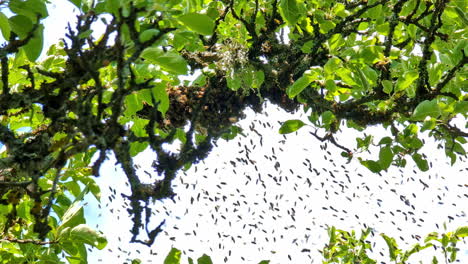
x=399 y=63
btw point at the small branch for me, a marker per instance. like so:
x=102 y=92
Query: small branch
x=393 y=23
x=46 y=210
x=329 y=137
x=436 y=22
x=17 y=184
x=5 y=74
x=28 y=241
x=54 y=75
x=30 y=74
x=418 y=2
x=451 y=73
x=151 y=235
x=252 y=19
x=97 y=164
x=214 y=37
x=14 y=44
x=454 y=131
x=250 y=27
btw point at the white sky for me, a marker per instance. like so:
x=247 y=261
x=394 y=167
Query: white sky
x=445 y=182
x=274 y=221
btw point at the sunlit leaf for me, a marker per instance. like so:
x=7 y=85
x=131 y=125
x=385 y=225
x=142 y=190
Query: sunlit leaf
x=29 y=8
x=169 y=61
x=200 y=23
x=420 y=162
x=289 y=11
x=173 y=257
x=426 y=108
x=372 y=165
x=298 y=86
x=407 y=79
x=34 y=47
x=5 y=26
x=73 y=216
x=385 y=157
x=161 y=97
x=85 y=234
x=291 y=126
x=461 y=231
x=392 y=246
x=148 y=34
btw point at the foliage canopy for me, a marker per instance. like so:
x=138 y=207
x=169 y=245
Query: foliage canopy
x=400 y=64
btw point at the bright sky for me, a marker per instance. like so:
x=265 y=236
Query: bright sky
x=287 y=213
x=312 y=209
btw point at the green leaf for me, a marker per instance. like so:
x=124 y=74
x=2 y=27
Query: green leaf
x=392 y=246
x=133 y=104
x=77 y=3
x=331 y=66
x=190 y=260
x=34 y=47
x=258 y=78
x=5 y=26
x=364 y=143
x=160 y=95
x=180 y=135
x=291 y=126
x=199 y=23
x=407 y=79
x=387 y=86
x=289 y=11
x=461 y=107
x=385 y=141
x=85 y=34
x=173 y=257
x=328 y=117
x=29 y=8
x=137 y=147
x=21 y=25
x=361 y=77
x=420 y=162
x=264 y=262
x=426 y=108
x=385 y=157
x=332 y=234
x=68 y=247
x=205 y=259
x=234 y=83
x=72 y=217
x=461 y=231
x=73 y=187
x=233 y=132
x=112 y=6
x=428 y=125
x=462 y=15
x=298 y=86
x=94 y=189
x=169 y=61
x=85 y=234
x=372 y=165
x=148 y=34
x=138 y=127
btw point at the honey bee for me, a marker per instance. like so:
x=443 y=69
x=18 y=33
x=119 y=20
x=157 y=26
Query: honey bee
x=382 y=64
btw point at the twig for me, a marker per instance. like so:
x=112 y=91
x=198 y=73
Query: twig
x=329 y=137
x=28 y=241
